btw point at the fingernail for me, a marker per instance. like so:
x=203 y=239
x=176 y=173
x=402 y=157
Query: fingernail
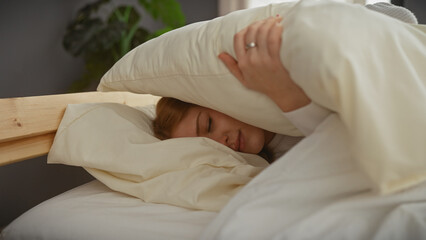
x=277 y=16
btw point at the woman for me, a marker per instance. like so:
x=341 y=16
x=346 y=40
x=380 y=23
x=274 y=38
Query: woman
x=258 y=68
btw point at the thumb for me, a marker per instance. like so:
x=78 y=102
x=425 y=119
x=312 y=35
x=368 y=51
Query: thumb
x=232 y=65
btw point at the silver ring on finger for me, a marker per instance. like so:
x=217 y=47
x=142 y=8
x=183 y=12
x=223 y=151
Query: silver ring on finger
x=251 y=45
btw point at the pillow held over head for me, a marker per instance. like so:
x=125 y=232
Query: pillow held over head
x=366 y=66
x=370 y=69
x=183 y=64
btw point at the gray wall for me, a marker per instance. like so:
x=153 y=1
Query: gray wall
x=33 y=62
x=418 y=7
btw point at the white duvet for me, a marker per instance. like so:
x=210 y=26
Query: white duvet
x=316 y=191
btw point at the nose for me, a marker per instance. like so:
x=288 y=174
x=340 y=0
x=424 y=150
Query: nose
x=222 y=139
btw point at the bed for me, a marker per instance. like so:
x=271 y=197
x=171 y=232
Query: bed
x=326 y=194
x=360 y=175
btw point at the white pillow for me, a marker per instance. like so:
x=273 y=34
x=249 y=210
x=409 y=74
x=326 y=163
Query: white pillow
x=368 y=67
x=115 y=144
x=183 y=64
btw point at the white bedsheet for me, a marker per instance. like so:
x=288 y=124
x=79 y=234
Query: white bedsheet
x=92 y=211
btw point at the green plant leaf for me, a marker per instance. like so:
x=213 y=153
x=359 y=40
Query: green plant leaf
x=160 y=32
x=96 y=64
x=141 y=36
x=125 y=14
x=127 y=39
x=90 y=8
x=169 y=11
x=102 y=42
x=147 y=5
x=110 y=36
x=78 y=37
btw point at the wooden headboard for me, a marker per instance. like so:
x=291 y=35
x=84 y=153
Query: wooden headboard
x=28 y=124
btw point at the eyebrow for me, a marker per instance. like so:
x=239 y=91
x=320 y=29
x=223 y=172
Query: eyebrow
x=197 y=125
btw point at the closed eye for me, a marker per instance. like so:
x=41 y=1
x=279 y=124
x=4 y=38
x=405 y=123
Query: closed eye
x=209 y=125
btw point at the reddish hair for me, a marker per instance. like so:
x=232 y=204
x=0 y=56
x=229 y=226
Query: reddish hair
x=169 y=112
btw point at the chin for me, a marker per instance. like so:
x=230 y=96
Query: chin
x=253 y=150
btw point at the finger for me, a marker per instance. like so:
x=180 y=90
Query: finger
x=232 y=65
x=262 y=35
x=240 y=44
x=252 y=33
x=274 y=40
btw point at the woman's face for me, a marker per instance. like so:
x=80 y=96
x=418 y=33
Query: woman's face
x=205 y=122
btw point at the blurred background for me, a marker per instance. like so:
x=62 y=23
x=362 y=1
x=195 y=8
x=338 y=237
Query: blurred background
x=33 y=61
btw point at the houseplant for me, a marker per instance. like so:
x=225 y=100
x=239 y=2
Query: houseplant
x=103 y=40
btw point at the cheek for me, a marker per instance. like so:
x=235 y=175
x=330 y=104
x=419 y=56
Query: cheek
x=256 y=141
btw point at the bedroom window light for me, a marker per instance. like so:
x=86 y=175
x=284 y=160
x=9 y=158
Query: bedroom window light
x=227 y=6
x=258 y=3
x=376 y=1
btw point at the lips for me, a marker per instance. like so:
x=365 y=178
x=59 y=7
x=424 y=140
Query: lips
x=240 y=141
x=236 y=143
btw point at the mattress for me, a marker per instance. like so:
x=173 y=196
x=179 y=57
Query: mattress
x=92 y=211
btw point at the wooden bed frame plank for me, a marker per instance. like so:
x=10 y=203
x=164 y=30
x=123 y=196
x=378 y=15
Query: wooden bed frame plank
x=32 y=116
x=26 y=148
x=28 y=124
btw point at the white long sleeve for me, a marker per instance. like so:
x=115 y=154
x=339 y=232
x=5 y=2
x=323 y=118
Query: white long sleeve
x=307 y=118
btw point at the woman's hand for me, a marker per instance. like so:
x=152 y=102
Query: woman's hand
x=259 y=67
